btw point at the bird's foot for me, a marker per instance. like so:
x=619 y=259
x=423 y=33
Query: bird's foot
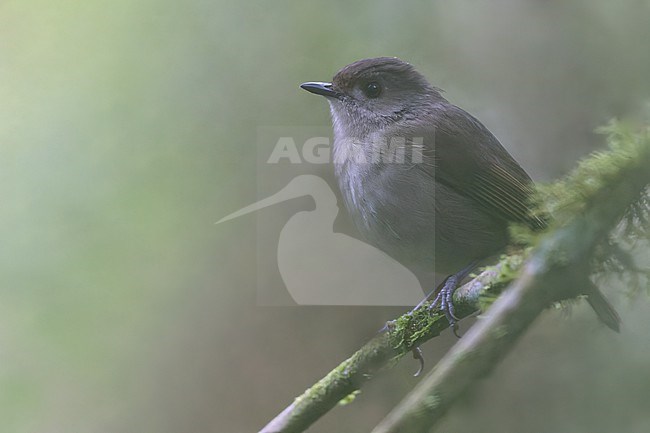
x=444 y=299
x=445 y=295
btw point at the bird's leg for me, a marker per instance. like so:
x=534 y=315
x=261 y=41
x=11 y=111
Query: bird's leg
x=446 y=291
x=444 y=296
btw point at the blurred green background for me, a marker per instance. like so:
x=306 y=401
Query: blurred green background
x=127 y=128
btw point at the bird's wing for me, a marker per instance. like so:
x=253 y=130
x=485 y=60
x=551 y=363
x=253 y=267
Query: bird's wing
x=461 y=153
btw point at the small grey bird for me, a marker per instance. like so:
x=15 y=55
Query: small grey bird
x=424 y=180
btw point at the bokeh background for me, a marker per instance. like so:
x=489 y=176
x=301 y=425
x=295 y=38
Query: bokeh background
x=127 y=128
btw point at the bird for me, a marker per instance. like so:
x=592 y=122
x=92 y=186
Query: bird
x=424 y=180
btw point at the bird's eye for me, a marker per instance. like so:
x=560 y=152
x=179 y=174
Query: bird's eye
x=372 y=89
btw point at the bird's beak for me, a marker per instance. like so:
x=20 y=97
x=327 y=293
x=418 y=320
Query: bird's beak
x=323 y=89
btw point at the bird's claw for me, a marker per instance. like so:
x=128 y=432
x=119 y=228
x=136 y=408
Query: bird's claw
x=445 y=300
x=417 y=354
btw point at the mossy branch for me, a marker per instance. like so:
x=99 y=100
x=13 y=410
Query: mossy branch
x=587 y=207
x=385 y=349
x=555 y=265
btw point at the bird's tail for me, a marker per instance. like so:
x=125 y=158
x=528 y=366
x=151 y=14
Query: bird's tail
x=604 y=310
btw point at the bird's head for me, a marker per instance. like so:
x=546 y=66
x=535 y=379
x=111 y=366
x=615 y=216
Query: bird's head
x=371 y=94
